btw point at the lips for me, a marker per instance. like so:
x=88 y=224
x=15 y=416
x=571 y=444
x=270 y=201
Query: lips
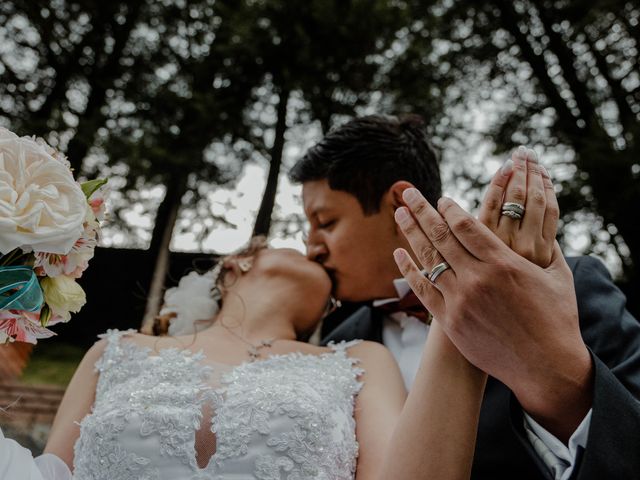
x=332 y=275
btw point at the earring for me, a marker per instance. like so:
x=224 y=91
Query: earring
x=245 y=264
x=332 y=306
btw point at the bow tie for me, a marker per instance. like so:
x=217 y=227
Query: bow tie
x=409 y=304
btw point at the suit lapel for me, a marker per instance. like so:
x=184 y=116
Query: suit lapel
x=364 y=324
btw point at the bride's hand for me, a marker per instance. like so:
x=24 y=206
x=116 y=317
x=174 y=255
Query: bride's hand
x=522 y=180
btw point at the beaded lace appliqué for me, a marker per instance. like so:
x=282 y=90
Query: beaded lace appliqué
x=288 y=417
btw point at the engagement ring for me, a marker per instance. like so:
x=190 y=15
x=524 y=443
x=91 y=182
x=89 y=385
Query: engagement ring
x=512 y=210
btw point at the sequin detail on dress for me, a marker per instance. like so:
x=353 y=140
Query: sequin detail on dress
x=287 y=417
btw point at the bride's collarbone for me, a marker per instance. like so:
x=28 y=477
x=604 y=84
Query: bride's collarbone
x=217 y=349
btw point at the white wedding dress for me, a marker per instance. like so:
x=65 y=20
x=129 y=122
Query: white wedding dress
x=172 y=415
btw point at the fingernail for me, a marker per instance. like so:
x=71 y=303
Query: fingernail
x=507 y=167
x=521 y=152
x=398 y=255
x=532 y=156
x=410 y=195
x=402 y=215
x=443 y=202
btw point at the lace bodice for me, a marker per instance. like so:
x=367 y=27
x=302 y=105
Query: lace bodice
x=287 y=417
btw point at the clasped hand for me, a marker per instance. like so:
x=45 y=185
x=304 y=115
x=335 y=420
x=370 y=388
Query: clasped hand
x=507 y=301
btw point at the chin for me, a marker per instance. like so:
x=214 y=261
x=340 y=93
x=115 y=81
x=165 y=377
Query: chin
x=346 y=294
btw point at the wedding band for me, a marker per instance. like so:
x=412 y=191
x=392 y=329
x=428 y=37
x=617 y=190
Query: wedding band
x=437 y=271
x=513 y=210
x=510 y=214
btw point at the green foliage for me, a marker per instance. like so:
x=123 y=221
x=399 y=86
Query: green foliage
x=52 y=363
x=89 y=187
x=563 y=76
x=180 y=94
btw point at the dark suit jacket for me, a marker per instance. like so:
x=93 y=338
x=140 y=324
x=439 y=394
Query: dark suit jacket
x=613 y=336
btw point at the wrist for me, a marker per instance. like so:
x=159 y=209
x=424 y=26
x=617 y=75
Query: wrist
x=561 y=397
x=441 y=349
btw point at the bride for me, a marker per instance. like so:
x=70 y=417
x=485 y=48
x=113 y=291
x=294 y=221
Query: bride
x=244 y=399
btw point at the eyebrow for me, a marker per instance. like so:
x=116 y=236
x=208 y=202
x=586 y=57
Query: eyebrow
x=314 y=211
x=323 y=209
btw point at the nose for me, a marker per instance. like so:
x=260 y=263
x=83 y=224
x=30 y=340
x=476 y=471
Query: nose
x=316 y=249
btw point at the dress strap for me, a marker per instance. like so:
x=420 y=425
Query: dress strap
x=113 y=348
x=113 y=335
x=350 y=366
x=343 y=345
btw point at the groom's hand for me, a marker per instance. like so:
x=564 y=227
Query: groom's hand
x=511 y=318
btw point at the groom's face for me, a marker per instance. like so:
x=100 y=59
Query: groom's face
x=355 y=249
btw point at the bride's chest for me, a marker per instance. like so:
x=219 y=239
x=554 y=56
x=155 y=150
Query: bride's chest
x=178 y=386
x=151 y=411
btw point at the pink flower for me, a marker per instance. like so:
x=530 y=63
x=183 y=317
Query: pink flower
x=97 y=202
x=75 y=262
x=24 y=326
x=98 y=207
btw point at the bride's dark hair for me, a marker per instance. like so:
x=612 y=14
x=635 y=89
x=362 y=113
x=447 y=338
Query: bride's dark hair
x=256 y=244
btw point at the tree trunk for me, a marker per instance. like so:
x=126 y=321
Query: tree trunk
x=263 y=220
x=159 y=247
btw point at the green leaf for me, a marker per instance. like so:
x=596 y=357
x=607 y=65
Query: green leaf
x=45 y=315
x=89 y=187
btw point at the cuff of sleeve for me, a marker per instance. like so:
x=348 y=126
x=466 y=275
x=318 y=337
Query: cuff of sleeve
x=52 y=467
x=558 y=457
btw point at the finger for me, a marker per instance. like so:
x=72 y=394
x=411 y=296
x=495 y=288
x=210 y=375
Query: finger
x=436 y=229
x=552 y=210
x=516 y=192
x=427 y=254
x=531 y=224
x=474 y=237
x=492 y=202
x=428 y=294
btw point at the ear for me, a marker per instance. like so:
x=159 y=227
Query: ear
x=395 y=193
x=393 y=200
x=231 y=263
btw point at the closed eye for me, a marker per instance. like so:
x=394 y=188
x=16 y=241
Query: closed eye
x=325 y=225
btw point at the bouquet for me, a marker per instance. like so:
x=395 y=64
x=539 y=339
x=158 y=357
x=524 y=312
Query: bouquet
x=49 y=228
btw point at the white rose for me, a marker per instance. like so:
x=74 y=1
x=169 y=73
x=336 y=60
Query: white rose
x=191 y=301
x=42 y=208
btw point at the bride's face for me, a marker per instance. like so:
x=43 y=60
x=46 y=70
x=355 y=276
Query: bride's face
x=306 y=284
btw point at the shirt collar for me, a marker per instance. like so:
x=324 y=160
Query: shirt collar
x=402 y=288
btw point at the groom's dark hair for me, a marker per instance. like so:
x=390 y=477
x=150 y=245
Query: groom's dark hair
x=367 y=155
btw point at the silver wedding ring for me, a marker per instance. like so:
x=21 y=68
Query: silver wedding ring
x=512 y=210
x=437 y=271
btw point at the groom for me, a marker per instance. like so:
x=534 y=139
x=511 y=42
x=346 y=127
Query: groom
x=568 y=405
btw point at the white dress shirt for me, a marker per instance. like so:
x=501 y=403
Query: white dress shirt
x=405 y=337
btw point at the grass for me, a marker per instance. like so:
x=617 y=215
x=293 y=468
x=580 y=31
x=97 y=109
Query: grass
x=52 y=363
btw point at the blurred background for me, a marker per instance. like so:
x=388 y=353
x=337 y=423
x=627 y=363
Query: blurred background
x=195 y=111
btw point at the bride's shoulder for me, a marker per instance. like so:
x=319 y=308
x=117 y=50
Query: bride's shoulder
x=111 y=337
x=379 y=376
x=369 y=354
x=367 y=349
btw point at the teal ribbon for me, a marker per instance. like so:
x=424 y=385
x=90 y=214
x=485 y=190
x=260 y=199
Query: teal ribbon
x=27 y=294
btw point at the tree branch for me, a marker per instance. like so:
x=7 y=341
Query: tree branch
x=510 y=22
